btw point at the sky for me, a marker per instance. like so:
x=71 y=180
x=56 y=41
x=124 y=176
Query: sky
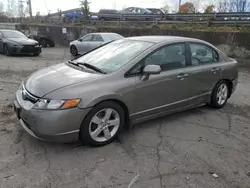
x=96 y=5
x=45 y=6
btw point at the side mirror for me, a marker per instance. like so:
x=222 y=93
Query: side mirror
x=152 y=69
x=80 y=40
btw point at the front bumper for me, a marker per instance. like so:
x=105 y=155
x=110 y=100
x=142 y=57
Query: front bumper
x=50 y=125
x=25 y=49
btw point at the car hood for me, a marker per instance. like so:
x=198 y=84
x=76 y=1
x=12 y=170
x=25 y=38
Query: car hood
x=56 y=77
x=22 y=41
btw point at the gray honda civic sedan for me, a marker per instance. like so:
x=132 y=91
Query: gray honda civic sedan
x=131 y=80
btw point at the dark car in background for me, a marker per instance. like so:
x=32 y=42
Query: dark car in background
x=108 y=14
x=44 y=40
x=136 y=10
x=15 y=42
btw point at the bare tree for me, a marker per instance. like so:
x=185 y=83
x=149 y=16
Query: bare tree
x=1 y=7
x=233 y=6
x=223 y=6
x=85 y=9
x=165 y=9
x=197 y=5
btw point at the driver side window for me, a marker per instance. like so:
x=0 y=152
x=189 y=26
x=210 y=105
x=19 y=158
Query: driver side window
x=168 y=58
x=87 y=38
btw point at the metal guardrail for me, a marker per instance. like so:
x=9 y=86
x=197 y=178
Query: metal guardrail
x=219 y=16
x=214 y=22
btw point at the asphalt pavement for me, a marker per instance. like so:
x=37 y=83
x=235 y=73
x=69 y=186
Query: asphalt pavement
x=202 y=147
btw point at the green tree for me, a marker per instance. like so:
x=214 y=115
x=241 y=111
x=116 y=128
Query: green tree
x=165 y=9
x=85 y=9
x=187 y=8
x=209 y=9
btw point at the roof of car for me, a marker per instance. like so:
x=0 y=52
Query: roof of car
x=159 y=39
x=107 y=33
x=7 y=30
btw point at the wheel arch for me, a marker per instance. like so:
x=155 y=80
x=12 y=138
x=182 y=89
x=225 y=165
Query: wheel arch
x=125 y=108
x=230 y=86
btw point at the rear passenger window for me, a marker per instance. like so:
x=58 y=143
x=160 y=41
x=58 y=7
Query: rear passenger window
x=97 y=38
x=202 y=54
x=168 y=58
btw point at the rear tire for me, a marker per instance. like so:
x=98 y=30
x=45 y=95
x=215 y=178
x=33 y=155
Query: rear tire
x=220 y=94
x=74 y=51
x=102 y=124
x=44 y=43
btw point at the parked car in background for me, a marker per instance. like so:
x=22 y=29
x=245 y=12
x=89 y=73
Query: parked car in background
x=44 y=40
x=93 y=97
x=156 y=11
x=108 y=14
x=136 y=10
x=15 y=42
x=92 y=41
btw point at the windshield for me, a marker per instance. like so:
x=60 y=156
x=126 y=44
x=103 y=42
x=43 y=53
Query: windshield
x=13 y=34
x=113 y=56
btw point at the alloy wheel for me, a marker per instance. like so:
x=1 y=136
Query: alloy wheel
x=104 y=125
x=74 y=51
x=222 y=94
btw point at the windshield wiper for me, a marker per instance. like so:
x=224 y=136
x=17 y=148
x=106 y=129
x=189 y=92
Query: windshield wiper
x=92 y=67
x=88 y=66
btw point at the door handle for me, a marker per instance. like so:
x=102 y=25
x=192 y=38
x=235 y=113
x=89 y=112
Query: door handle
x=182 y=76
x=214 y=69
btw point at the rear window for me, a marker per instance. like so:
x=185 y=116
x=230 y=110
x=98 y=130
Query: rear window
x=114 y=36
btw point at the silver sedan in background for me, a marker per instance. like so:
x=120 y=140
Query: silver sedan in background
x=92 y=41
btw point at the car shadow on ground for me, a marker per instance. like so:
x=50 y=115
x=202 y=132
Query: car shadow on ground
x=125 y=134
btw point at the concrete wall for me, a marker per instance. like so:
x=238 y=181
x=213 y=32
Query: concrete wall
x=58 y=33
x=233 y=44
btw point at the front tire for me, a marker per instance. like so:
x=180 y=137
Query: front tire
x=102 y=124
x=36 y=54
x=74 y=51
x=6 y=50
x=220 y=94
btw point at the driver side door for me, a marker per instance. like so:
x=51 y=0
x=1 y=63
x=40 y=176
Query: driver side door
x=166 y=91
x=84 y=44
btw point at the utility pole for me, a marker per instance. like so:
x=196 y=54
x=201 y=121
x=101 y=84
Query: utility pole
x=179 y=5
x=20 y=8
x=30 y=8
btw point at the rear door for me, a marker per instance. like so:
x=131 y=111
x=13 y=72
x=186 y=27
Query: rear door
x=204 y=68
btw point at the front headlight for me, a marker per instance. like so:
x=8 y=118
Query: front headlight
x=37 y=45
x=43 y=104
x=16 y=45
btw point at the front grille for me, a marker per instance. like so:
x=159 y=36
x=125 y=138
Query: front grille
x=29 y=97
x=28 y=48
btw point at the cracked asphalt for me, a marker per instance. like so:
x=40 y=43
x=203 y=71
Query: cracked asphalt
x=179 y=150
